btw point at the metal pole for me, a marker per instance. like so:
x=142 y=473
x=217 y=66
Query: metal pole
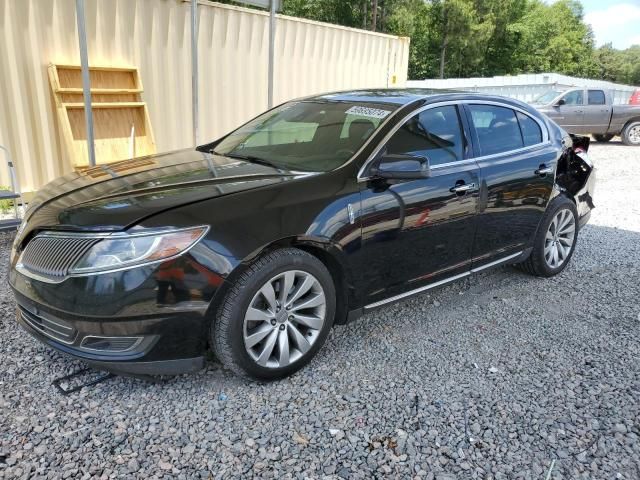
x=272 y=38
x=86 y=80
x=194 y=69
x=15 y=186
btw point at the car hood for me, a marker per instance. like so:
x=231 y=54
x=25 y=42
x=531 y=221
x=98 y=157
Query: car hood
x=119 y=195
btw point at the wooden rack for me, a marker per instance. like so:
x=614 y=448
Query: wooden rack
x=122 y=128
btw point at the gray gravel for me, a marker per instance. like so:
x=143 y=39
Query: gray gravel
x=496 y=377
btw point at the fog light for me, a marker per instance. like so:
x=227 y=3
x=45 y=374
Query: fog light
x=110 y=344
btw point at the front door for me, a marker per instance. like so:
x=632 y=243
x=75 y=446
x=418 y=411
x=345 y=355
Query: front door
x=416 y=232
x=571 y=114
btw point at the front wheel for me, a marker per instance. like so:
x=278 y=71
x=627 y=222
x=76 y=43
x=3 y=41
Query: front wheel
x=276 y=316
x=555 y=240
x=631 y=134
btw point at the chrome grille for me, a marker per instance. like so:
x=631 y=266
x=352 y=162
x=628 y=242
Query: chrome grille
x=56 y=329
x=53 y=256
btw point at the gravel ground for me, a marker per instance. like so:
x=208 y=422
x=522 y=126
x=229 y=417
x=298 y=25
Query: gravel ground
x=501 y=376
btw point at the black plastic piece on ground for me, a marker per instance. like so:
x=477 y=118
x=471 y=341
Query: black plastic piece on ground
x=8 y=194
x=11 y=224
x=66 y=391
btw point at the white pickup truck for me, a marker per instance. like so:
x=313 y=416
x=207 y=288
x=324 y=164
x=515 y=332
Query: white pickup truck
x=591 y=111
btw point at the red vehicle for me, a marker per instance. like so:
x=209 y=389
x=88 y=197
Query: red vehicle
x=635 y=98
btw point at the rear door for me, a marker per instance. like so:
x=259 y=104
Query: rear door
x=597 y=114
x=512 y=151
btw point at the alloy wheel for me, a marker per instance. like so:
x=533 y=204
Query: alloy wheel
x=558 y=241
x=634 y=134
x=284 y=319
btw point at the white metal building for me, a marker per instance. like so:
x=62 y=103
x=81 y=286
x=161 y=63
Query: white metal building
x=524 y=87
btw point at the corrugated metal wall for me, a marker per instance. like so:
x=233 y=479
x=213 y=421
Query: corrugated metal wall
x=525 y=87
x=154 y=35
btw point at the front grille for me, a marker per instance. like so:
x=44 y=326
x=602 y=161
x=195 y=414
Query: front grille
x=53 y=256
x=56 y=329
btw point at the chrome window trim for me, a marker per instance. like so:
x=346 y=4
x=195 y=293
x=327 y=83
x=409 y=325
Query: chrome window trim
x=513 y=152
x=424 y=288
x=543 y=127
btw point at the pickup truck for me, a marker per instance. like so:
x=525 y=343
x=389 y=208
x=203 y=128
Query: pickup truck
x=591 y=111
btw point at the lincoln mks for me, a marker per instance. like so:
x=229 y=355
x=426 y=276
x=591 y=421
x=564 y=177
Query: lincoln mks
x=311 y=214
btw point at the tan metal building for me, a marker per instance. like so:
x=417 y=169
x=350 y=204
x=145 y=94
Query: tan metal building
x=154 y=36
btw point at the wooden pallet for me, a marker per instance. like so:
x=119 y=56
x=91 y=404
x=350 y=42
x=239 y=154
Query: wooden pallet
x=121 y=124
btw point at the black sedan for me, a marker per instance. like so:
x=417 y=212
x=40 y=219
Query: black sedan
x=310 y=215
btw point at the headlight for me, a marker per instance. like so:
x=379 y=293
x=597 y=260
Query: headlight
x=132 y=250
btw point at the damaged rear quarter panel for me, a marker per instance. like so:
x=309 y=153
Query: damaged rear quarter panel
x=576 y=173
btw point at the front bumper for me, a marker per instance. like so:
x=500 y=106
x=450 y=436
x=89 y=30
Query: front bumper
x=148 y=353
x=132 y=322
x=128 y=332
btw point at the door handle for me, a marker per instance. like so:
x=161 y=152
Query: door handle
x=463 y=188
x=543 y=170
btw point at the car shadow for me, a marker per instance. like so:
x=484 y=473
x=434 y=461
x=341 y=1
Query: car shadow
x=616 y=142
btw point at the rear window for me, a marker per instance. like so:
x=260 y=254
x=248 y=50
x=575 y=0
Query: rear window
x=596 y=97
x=531 y=132
x=497 y=129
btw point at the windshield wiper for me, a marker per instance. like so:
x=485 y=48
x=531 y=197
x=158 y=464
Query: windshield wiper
x=249 y=158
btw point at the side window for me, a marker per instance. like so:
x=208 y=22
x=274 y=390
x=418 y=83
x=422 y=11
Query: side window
x=497 y=129
x=434 y=133
x=596 y=97
x=531 y=133
x=574 y=98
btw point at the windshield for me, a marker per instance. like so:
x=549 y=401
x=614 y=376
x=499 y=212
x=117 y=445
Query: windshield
x=547 y=97
x=314 y=136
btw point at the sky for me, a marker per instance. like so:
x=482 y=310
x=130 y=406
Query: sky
x=615 y=21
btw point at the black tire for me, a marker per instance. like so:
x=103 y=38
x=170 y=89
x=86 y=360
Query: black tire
x=630 y=134
x=602 y=137
x=226 y=332
x=536 y=263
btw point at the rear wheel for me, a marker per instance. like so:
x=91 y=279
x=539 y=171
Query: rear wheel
x=631 y=134
x=276 y=316
x=602 y=137
x=555 y=239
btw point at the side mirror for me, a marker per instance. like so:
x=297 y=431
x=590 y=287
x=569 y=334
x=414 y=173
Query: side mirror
x=402 y=166
x=561 y=102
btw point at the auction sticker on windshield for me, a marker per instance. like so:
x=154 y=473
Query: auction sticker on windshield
x=368 y=112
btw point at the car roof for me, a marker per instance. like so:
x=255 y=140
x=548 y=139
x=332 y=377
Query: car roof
x=405 y=96
x=399 y=97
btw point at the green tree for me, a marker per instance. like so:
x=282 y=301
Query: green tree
x=553 y=38
x=464 y=38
